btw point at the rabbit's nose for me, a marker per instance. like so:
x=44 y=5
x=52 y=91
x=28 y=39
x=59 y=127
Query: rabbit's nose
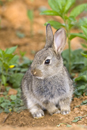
x=36 y=72
x=33 y=71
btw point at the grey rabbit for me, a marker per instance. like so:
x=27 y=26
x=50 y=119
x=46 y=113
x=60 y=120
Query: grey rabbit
x=46 y=84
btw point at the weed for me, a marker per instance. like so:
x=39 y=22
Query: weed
x=31 y=18
x=7 y=60
x=11 y=69
x=67 y=125
x=19 y=34
x=81 y=80
x=75 y=61
x=79 y=118
x=62 y=8
x=11 y=103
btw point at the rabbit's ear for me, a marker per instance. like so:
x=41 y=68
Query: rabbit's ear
x=49 y=36
x=59 y=40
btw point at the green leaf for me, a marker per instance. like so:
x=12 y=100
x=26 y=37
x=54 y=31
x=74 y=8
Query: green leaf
x=61 y=5
x=22 y=53
x=55 y=24
x=1 y=110
x=55 y=6
x=84 y=45
x=71 y=21
x=4 y=105
x=15 y=79
x=78 y=10
x=13 y=97
x=7 y=57
x=68 y=4
x=76 y=120
x=10 y=50
x=20 y=35
x=8 y=88
x=84 y=30
x=1 y=99
x=3 y=79
x=30 y=14
x=0 y=52
x=14 y=60
x=6 y=66
x=68 y=125
x=84 y=102
x=50 y=12
x=24 y=70
x=83 y=22
x=82 y=87
x=83 y=54
x=83 y=77
x=78 y=94
x=6 y=110
x=73 y=35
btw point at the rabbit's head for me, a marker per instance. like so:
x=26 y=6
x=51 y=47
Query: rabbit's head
x=48 y=61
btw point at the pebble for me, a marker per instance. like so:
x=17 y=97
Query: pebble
x=84 y=108
x=76 y=110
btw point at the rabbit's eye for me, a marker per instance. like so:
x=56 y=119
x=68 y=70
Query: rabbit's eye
x=47 y=61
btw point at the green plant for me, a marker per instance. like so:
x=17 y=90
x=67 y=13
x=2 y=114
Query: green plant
x=79 y=118
x=77 y=60
x=67 y=125
x=12 y=68
x=78 y=65
x=1 y=2
x=7 y=61
x=19 y=34
x=81 y=80
x=62 y=8
x=18 y=71
x=83 y=26
x=10 y=103
x=31 y=18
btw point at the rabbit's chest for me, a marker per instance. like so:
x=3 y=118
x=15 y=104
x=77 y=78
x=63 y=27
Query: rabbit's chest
x=49 y=88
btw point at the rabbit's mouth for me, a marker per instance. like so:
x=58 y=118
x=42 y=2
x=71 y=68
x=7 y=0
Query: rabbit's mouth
x=37 y=73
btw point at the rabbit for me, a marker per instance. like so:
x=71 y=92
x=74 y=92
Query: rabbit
x=47 y=85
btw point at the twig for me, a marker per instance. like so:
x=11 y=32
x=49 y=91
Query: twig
x=7 y=117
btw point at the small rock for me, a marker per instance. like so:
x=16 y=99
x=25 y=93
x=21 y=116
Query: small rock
x=84 y=108
x=76 y=110
x=12 y=92
x=81 y=112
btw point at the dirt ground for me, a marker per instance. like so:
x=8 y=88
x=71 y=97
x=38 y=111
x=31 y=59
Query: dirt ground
x=24 y=119
x=14 y=20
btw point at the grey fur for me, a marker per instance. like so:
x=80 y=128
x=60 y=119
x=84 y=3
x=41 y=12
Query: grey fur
x=48 y=86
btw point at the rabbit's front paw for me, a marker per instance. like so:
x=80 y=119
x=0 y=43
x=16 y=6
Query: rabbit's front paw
x=38 y=114
x=65 y=110
x=57 y=112
x=64 y=105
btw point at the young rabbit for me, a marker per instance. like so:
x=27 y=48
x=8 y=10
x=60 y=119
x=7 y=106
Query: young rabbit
x=47 y=85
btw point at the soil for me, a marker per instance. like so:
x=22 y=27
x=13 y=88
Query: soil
x=14 y=20
x=24 y=118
